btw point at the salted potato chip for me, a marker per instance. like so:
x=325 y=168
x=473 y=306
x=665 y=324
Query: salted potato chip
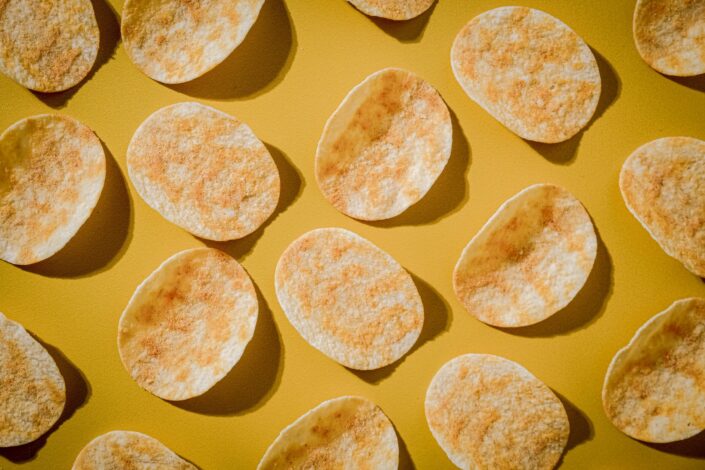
x=385 y=145
x=487 y=412
x=670 y=35
x=32 y=390
x=204 y=171
x=393 y=9
x=188 y=323
x=654 y=388
x=346 y=433
x=52 y=170
x=118 y=450
x=48 y=45
x=348 y=298
x=174 y=41
x=529 y=70
x=529 y=260
x=662 y=184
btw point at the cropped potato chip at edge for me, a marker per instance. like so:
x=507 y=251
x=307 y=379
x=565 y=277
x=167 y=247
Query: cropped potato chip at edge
x=397 y=10
x=344 y=432
x=529 y=260
x=654 y=388
x=188 y=323
x=32 y=389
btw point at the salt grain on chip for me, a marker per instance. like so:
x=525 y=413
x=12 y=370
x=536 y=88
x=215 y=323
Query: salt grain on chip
x=188 y=324
x=393 y=9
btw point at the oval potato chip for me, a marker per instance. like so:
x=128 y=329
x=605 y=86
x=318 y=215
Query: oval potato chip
x=204 y=171
x=654 y=388
x=393 y=9
x=385 y=145
x=487 y=412
x=52 y=170
x=346 y=433
x=174 y=41
x=670 y=35
x=529 y=260
x=188 y=323
x=118 y=450
x=348 y=298
x=663 y=186
x=529 y=70
x=32 y=390
x=48 y=45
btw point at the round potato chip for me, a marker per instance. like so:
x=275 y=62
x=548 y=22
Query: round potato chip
x=393 y=9
x=662 y=184
x=346 y=432
x=670 y=35
x=47 y=45
x=385 y=145
x=488 y=412
x=52 y=170
x=204 y=171
x=654 y=388
x=174 y=41
x=188 y=323
x=348 y=298
x=118 y=450
x=32 y=390
x=529 y=70
x=529 y=260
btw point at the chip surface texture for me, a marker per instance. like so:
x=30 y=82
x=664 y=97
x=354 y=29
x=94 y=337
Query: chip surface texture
x=393 y=9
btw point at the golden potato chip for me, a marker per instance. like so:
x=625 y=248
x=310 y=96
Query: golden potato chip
x=345 y=433
x=529 y=260
x=174 y=41
x=654 y=388
x=32 y=390
x=393 y=9
x=385 y=145
x=670 y=35
x=663 y=186
x=188 y=323
x=529 y=70
x=487 y=412
x=52 y=170
x=123 y=450
x=204 y=171
x=47 y=45
x=348 y=298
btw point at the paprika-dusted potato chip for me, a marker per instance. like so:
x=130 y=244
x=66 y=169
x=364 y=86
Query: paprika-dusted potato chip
x=393 y=9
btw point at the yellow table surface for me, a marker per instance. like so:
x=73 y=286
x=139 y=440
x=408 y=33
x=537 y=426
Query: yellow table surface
x=298 y=62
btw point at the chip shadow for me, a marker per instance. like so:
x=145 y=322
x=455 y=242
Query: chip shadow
x=693 y=447
x=405 y=461
x=581 y=428
x=407 y=31
x=256 y=66
x=78 y=391
x=696 y=83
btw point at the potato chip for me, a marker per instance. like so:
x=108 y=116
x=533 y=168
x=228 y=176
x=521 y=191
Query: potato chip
x=393 y=9
x=32 y=390
x=188 y=323
x=348 y=298
x=654 y=388
x=487 y=412
x=663 y=186
x=122 y=450
x=204 y=171
x=529 y=70
x=529 y=260
x=345 y=433
x=385 y=145
x=52 y=170
x=174 y=41
x=47 y=45
x=670 y=35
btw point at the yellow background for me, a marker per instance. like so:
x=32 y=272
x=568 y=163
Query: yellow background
x=296 y=65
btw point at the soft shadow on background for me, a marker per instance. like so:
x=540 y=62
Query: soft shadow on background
x=564 y=152
x=257 y=65
x=103 y=239
x=405 y=462
x=404 y=31
x=581 y=428
x=696 y=83
x=109 y=26
x=78 y=391
x=255 y=377
x=693 y=447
